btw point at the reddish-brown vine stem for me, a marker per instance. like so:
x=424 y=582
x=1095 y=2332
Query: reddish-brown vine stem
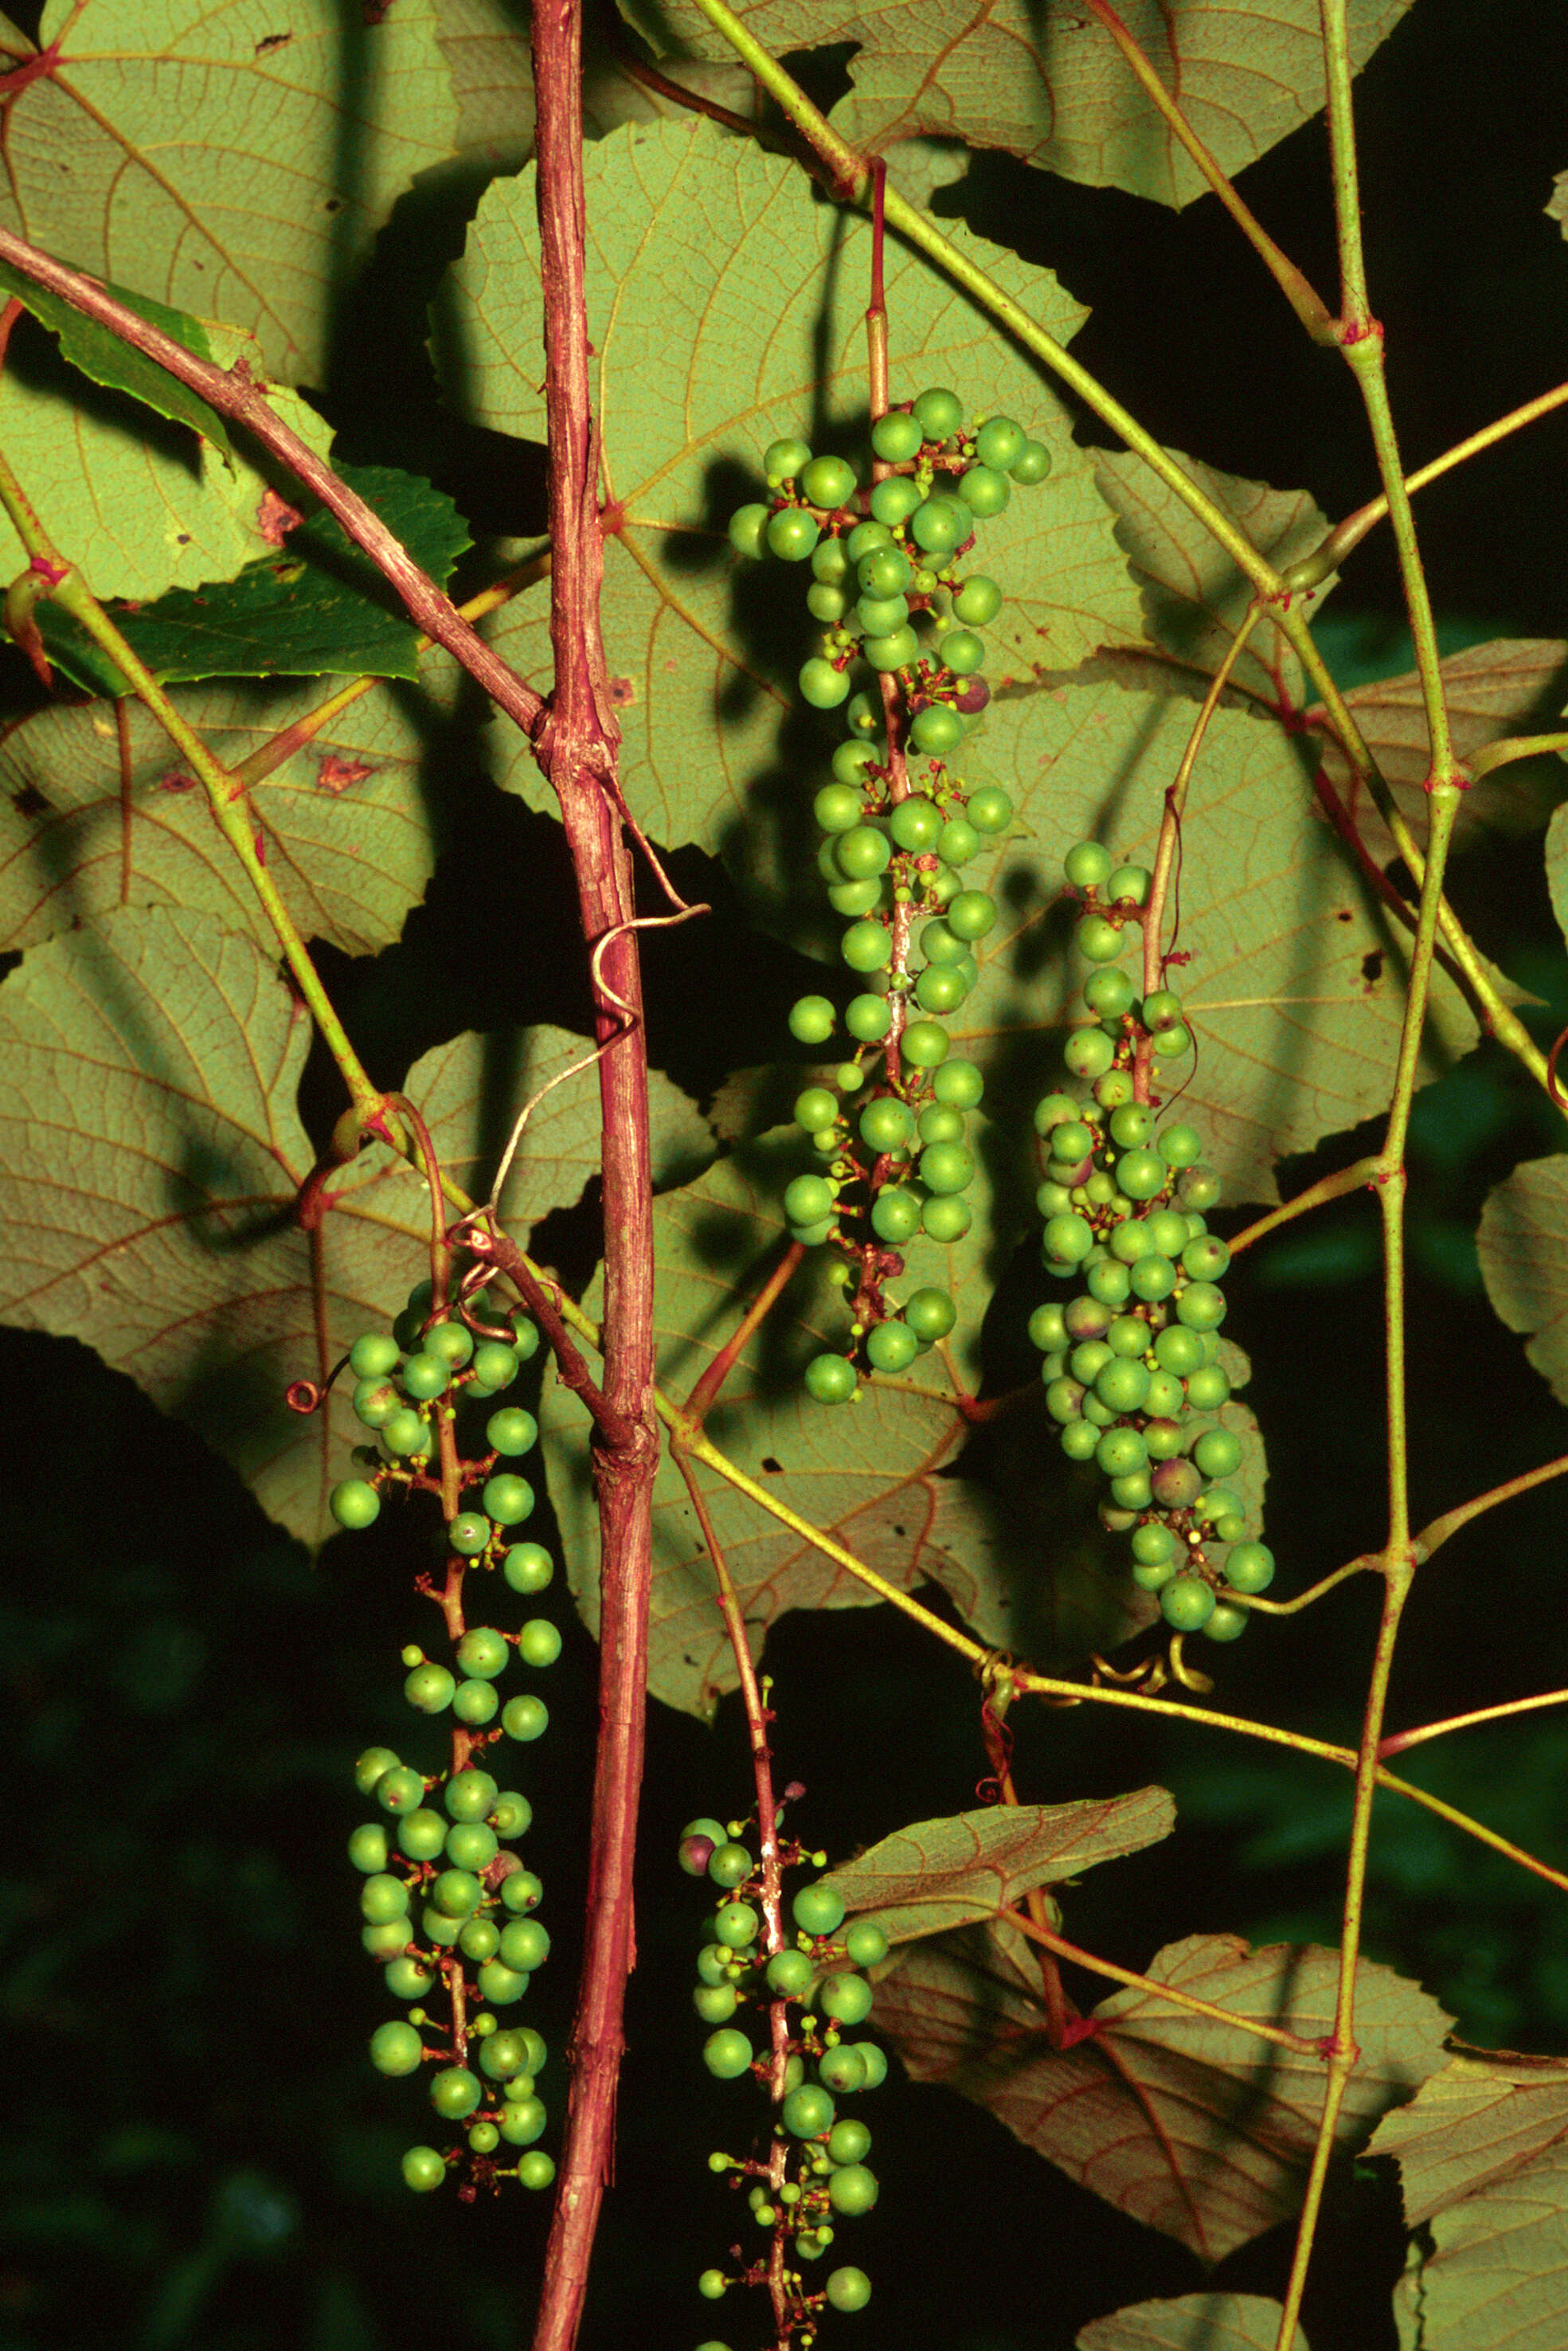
x=576 y=743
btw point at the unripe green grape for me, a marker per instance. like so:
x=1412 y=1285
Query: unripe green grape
x=939 y=524
x=1152 y=1278
x=406 y=1978
x=791 y=534
x=852 y=2189
x=940 y=988
x=817 y=1909
x=846 y=1998
x=866 y=946
x=895 y=1215
x=729 y=1863
x=495 y=1366
x=984 y=490
x=1152 y=1575
x=455 y=2092
x=1201 y=1306
x=937 y=730
x=916 y=824
x=1172 y=1041
x=1080 y=1440
x=1208 y=1388
x=1130 y=1241
x=457 y=1893
x=971 y=914
x=891 y=1347
x=500 y=1984
x=885 y=1123
x=828 y=601
x=470 y=1795
x=368 y=1847
x=1167 y=1228
x=1047 y=1328
x=1205 y=1259
x=822 y=684
x=879 y=616
x=483 y=1652
x=538 y=1643
x=1089 y=1053
x=508 y=1499
x=1187 y=1603
x=383 y=1899
x=1199 y=1188
x=1178 y=1350
x=881 y=569
x=789 y=1974
x=523 y=2120
x=865 y=539
x=1000 y=441
x=939 y=412
x=849 y=764
x=525 y=1945
x=1250 y=1567
x=806 y=1197
x=815 y=1109
x=1122 y=1453
x=784 y=458
x=1141 y=1175
x=468 y=1533
x=525 y=1719
x=422 y=2169
x=374 y=1403
x=939 y=1122
x=1068 y=1240
x=511 y=1817
x=1128 y=886
x=896 y=650
x=727 y=2054
x=424 y=1377
x=925 y=1044
x=848 y=2289
x=1164 y=1438
x=1098 y=940
x=827 y=482
x=406 y=1434
x=940 y=945
x=1217 y=1452
x=1109 y=1282
x=964 y=653
x=1114 y=1088
x=868 y=1019
x=479 y=1940
x=429 y=1688
x=852 y=898
x=1089 y=1359
x=896 y=437
x=830 y=1379
x=373 y=1355
x=355 y=1503
x=521 y=1891
x=946 y=1219
x=1153 y=1545
x=748 y=528
x=471 y=1846
x=1167 y=1400
x=1031 y=465
x=1122 y=1385
x=811 y=1020
x=807 y=2112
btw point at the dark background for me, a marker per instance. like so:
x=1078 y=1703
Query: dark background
x=194 y=2150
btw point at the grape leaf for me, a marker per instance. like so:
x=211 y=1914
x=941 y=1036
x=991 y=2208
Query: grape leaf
x=347 y=820
x=1198 y=2129
x=316 y=606
x=234 y=162
x=137 y=506
x=153 y=1154
x=106 y=359
x=1483 y=2162
x=937 y=1875
x=1556 y=205
x=485 y=44
x=705 y=647
x=1509 y=687
x=1195 y=598
x=1043 y=79
x=1021 y=1572
x=1523 y=1248
x=1197 y=2322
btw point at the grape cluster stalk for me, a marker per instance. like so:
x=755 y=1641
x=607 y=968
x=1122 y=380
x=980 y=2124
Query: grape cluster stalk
x=1132 y=1362
x=813 y=2174
x=447 y=1907
x=892 y=583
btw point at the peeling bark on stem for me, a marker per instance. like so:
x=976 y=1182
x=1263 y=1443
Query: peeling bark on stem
x=576 y=743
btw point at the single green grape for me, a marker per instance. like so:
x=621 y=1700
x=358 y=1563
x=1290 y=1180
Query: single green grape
x=523 y=2121
x=525 y=1719
x=846 y=1998
x=827 y=482
x=727 y=2054
x=1000 y=442
x=368 y=1847
x=848 y=2289
x=939 y=412
x=792 y=534
x=1128 y=886
x=1032 y=463
x=468 y=1533
x=811 y=1021
x=958 y=1083
x=929 y=1315
x=852 y=2189
x=977 y=602
x=1250 y=1567
x=925 y=1044
x=538 y=1642
x=429 y=1688
x=829 y=562
x=896 y=437
x=422 y=1835
x=373 y=1355
x=423 y=2168
x=830 y=1379
x=355 y=1503
x=815 y=1108
x=521 y=1891
x=983 y=490
x=1097 y=939
x=958 y=841
x=374 y=1403
x=946 y=1219
x=508 y=1499
x=748 y=528
x=1187 y=1602
x=895 y=1216
x=866 y=946
x=868 y=1019
x=964 y=653
x=939 y=524
x=891 y=1347
x=807 y=2112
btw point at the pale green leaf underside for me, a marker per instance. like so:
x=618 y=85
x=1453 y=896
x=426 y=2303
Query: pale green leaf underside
x=137 y=505
x=937 y=1875
x=347 y=820
x=865 y=1473
x=759 y=330
x=181 y=146
x=1483 y=2161
x=1510 y=687
x=1196 y=2128
x=1195 y=597
x=1045 y=81
x=1194 y=2322
x=154 y=1152
x=1523 y=1248
x=1295 y=988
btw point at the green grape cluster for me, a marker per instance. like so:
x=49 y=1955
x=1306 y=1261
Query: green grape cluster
x=893 y=586
x=442 y=1896
x=814 y=2174
x=447 y=1911
x=1132 y=1367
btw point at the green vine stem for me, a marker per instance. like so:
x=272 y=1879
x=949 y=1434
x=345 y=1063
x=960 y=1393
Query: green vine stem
x=1401 y=1740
